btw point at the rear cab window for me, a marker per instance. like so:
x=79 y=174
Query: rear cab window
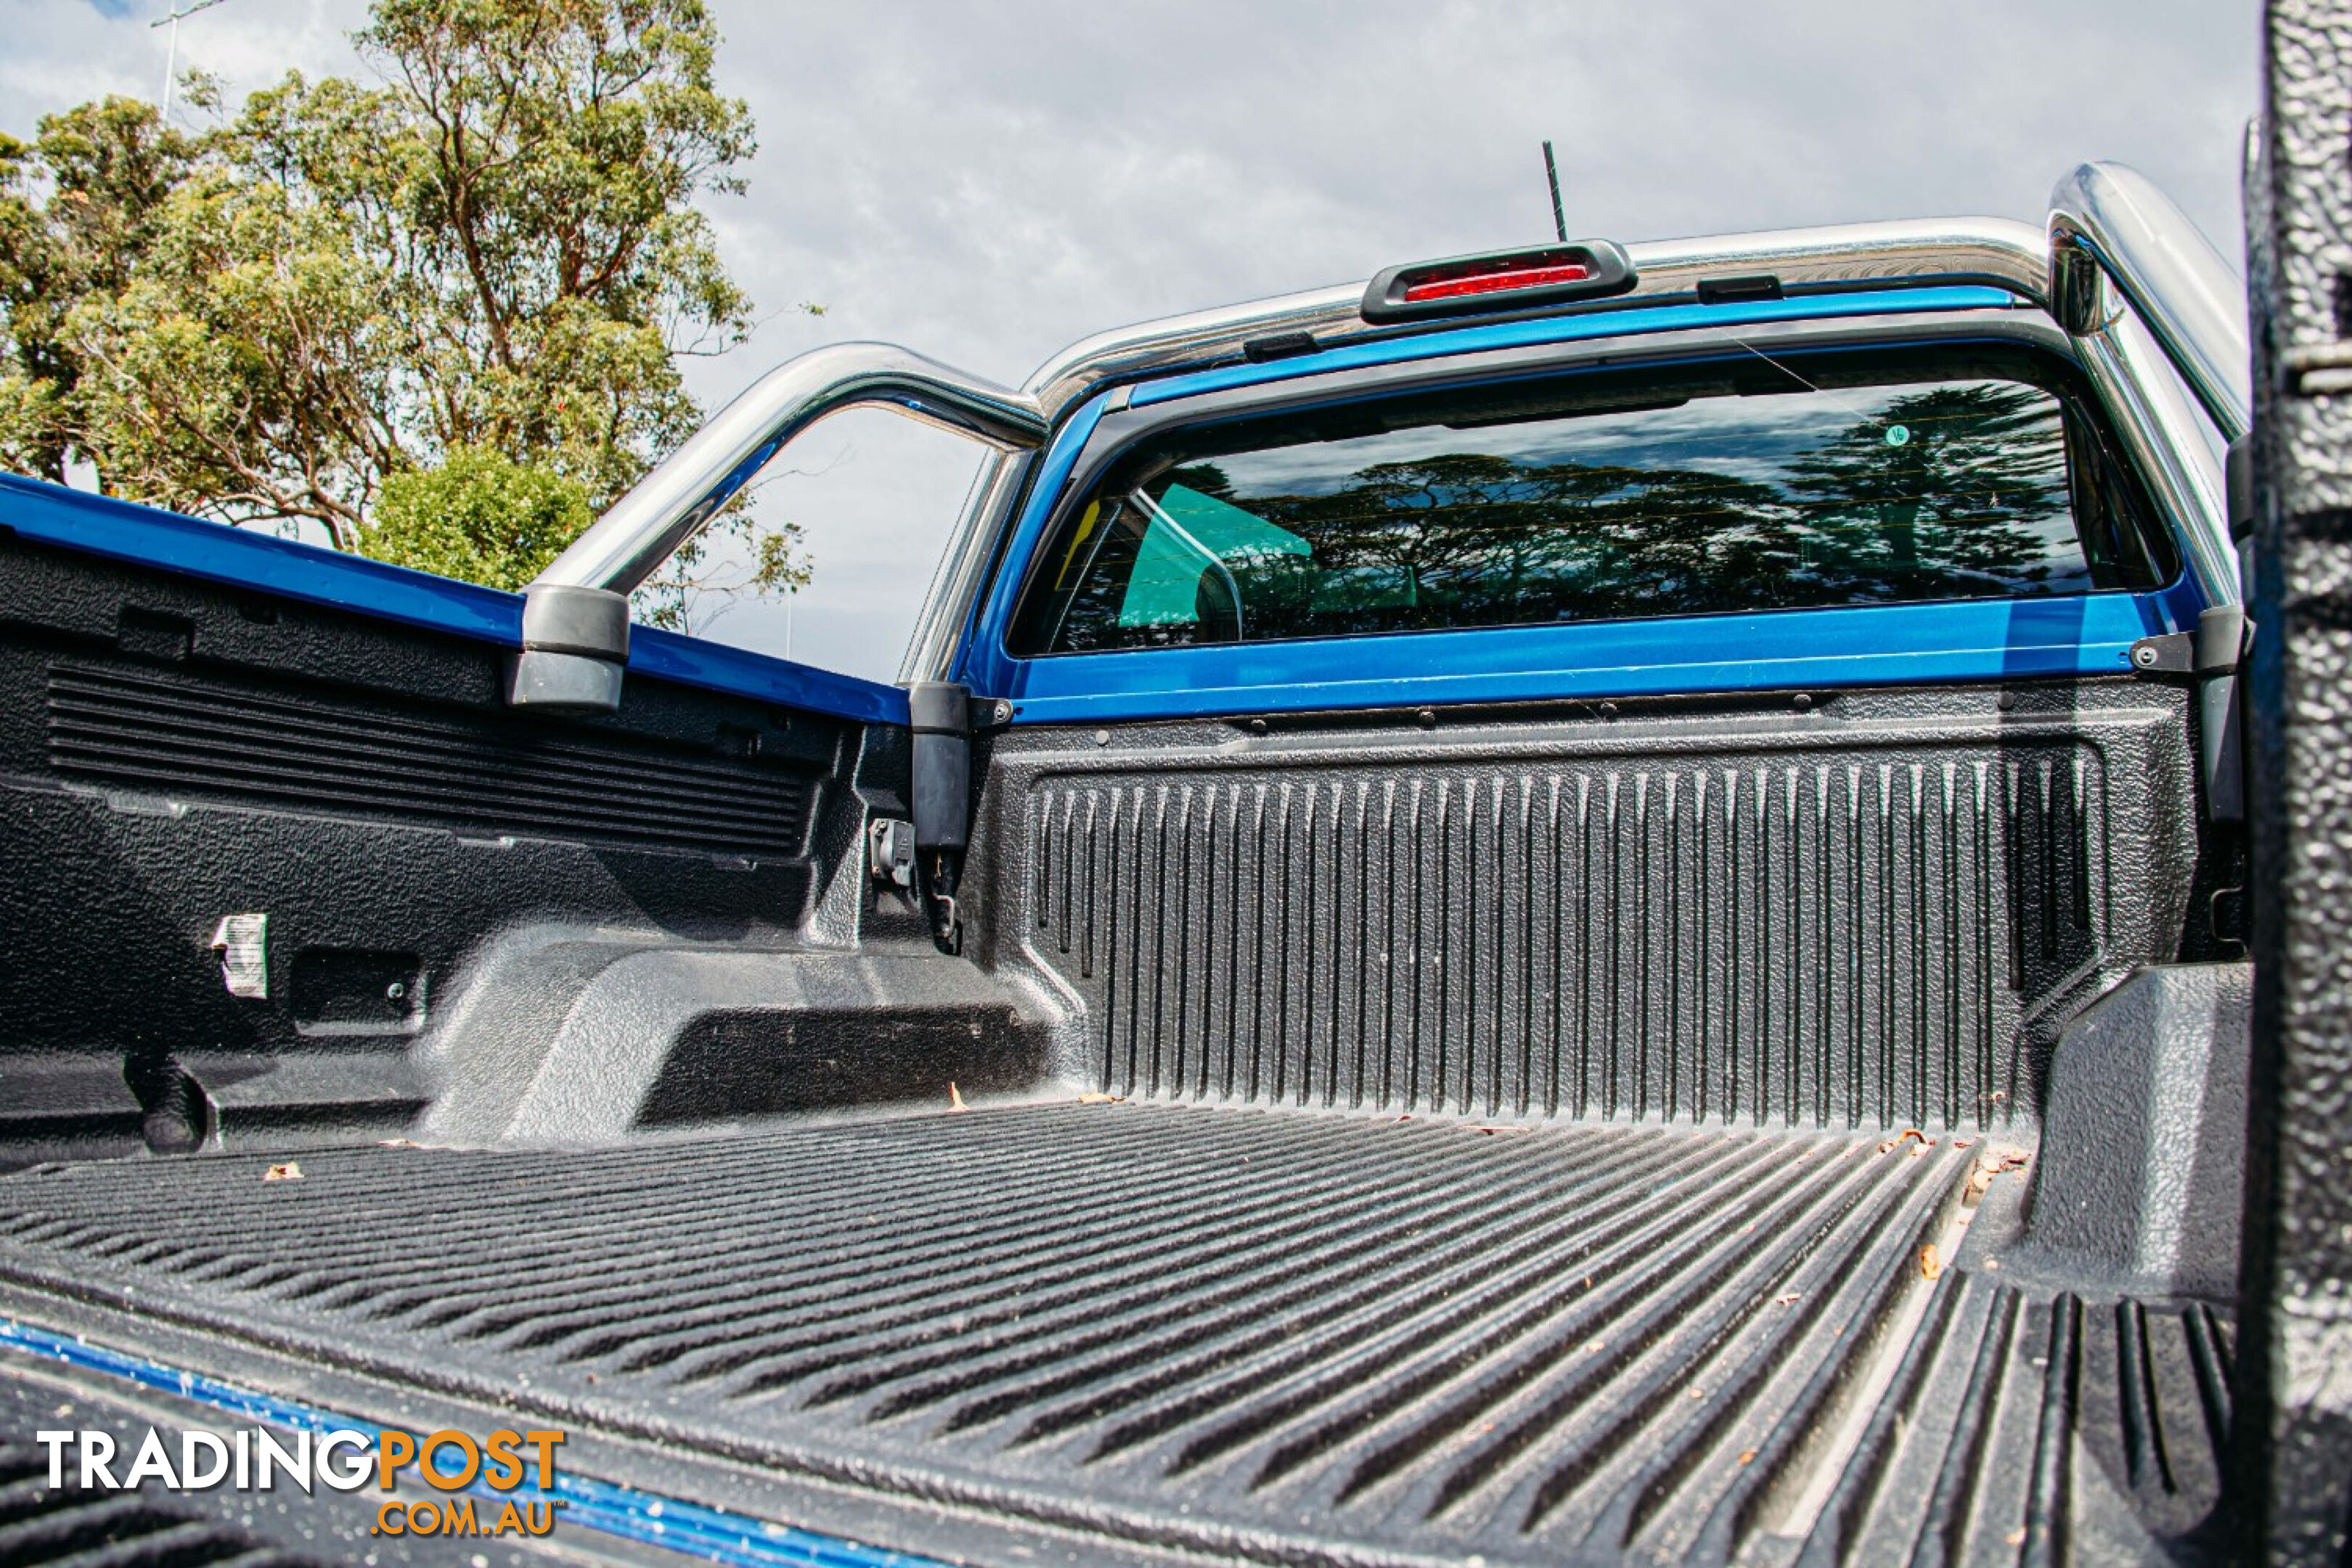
x=1799 y=480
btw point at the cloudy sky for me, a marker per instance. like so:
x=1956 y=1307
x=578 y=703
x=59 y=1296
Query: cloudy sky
x=988 y=181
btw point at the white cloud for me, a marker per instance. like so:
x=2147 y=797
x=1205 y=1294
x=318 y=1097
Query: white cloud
x=988 y=182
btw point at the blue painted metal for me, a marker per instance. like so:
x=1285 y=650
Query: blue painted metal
x=683 y=1527
x=1624 y=324
x=1968 y=640
x=694 y=661
x=144 y=536
x=983 y=663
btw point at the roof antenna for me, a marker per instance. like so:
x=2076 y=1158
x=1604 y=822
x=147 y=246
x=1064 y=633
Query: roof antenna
x=1551 y=175
x=172 y=55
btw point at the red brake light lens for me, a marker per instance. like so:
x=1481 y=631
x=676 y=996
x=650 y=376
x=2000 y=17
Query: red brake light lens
x=1455 y=287
x=1500 y=280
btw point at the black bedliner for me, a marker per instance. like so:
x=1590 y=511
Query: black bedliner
x=1276 y=1335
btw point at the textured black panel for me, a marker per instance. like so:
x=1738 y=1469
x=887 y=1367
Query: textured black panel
x=2297 y=1475
x=2024 y=1429
x=1830 y=941
x=1276 y=1335
x=173 y=751
x=1830 y=924
x=172 y=733
x=726 y=1065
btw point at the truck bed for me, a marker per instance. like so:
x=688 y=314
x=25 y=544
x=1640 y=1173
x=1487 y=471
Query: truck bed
x=1136 y=1329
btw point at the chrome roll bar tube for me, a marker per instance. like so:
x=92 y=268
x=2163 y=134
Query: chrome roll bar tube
x=2110 y=226
x=2114 y=235
x=575 y=613
x=2110 y=231
x=2110 y=219
x=1914 y=253
x=1999 y=252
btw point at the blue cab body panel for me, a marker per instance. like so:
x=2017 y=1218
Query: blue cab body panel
x=1969 y=641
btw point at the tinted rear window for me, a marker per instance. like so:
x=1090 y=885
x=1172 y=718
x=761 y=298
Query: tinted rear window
x=1771 y=489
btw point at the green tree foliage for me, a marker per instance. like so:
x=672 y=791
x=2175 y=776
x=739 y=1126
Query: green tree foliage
x=1492 y=540
x=79 y=208
x=480 y=516
x=1983 y=462
x=465 y=286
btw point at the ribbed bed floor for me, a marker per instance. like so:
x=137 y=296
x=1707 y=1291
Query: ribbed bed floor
x=1248 y=1333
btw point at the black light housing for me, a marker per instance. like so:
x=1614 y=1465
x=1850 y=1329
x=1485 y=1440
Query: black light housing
x=1500 y=281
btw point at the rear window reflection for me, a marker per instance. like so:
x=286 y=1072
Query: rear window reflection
x=1963 y=489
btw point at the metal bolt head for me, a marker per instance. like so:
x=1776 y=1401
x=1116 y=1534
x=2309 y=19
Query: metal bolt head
x=395 y=992
x=2144 y=657
x=1426 y=719
x=1102 y=737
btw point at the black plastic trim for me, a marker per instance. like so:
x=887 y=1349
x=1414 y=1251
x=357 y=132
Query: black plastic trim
x=1740 y=289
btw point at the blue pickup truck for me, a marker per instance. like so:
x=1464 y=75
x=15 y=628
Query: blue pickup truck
x=1582 y=904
